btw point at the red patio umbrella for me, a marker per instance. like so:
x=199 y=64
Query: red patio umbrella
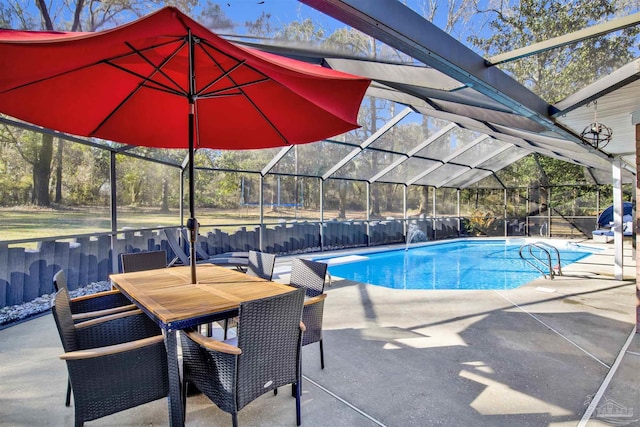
x=166 y=81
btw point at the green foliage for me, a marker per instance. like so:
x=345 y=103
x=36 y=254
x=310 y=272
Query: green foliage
x=349 y=41
x=301 y=31
x=84 y=171
x=535 y=170
x=481 y=222
x=556 y=73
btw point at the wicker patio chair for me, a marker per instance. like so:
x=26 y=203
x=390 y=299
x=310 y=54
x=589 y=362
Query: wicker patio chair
x=312 y=318
x=140 y=261
x=115 y=362
x=90 y=307
x=261 y=264
x=310 y=275
x=236 y=259
x=264 y=356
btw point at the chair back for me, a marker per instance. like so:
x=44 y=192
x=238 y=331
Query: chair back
x=176 y=247
x=312 y=319
x=269 y=336
x=202 y=254
x=261 y=264
x=140 y=261
x=104 y=384
x=308 y=275
x=61 y=310
x=59 y=281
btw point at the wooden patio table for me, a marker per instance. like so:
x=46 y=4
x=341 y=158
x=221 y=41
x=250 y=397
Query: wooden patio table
x=168 y=297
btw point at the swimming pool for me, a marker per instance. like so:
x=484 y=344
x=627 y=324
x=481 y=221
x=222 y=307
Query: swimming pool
x=461 y=264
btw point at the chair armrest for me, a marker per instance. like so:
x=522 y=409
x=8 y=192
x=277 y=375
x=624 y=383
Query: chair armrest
x=115 y=329
x=212 y=344
x=98 y=301
x=96 y=295
x=315 y=299
x=103 y=319
x=101 y=313
x=111 y=349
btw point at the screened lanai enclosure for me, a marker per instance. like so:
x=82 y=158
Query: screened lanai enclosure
x=451 y=144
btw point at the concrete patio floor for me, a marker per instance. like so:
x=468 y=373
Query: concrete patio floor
x=533 y=356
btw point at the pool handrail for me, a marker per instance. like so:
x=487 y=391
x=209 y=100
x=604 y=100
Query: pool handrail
x=545 y=247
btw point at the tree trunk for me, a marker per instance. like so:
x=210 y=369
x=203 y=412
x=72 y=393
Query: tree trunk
x=544 y=183
x=424 y=200
x=391 y=189
x=58 y=196
x=342 y=200
x=165 y=196
x=42 y=172
x=375 y=202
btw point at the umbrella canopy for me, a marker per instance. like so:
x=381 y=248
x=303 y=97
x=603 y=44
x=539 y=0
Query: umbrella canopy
x=166 y=81
x=606 y=216
x=133 y=84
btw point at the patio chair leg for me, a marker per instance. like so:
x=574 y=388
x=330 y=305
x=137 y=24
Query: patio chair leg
x=234 y=419
x=226 y=325
x=185 y=388
x=321 y=355
x=297 y=404
x=68 y=401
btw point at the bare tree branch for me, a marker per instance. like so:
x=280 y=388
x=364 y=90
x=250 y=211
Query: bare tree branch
x=44 y=11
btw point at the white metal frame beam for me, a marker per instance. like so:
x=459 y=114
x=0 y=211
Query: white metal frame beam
x=373 y=138
x=478 y=162
x=566 y=39
x=401 y=28
x=283 y=152
x=442 y=132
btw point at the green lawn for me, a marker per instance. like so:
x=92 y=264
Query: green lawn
x=32 y=223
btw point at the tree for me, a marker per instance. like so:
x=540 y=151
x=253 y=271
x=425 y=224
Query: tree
x=261 y=27
x=454 y=16
x=212 y=16
x=556 y=73
x=37 y=150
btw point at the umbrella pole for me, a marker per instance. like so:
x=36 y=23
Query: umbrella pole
x=192 y=223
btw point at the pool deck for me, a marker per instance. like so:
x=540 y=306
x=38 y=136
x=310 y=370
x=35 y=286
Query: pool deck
x=537 y=355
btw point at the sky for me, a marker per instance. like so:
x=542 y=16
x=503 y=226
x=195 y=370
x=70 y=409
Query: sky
x=282 y=12
x=243 y=10
x=286 y=11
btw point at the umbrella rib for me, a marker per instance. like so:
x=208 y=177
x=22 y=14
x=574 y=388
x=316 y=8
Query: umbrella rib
x=221 y=92
x=159 y=67
x=145 y=80
x=54 y=76
x=227 y=73
x=131 y=94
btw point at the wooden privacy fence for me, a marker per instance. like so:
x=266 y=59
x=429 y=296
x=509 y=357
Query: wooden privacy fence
x=25 y=274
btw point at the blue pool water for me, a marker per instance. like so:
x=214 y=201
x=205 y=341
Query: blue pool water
x=468 y=264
